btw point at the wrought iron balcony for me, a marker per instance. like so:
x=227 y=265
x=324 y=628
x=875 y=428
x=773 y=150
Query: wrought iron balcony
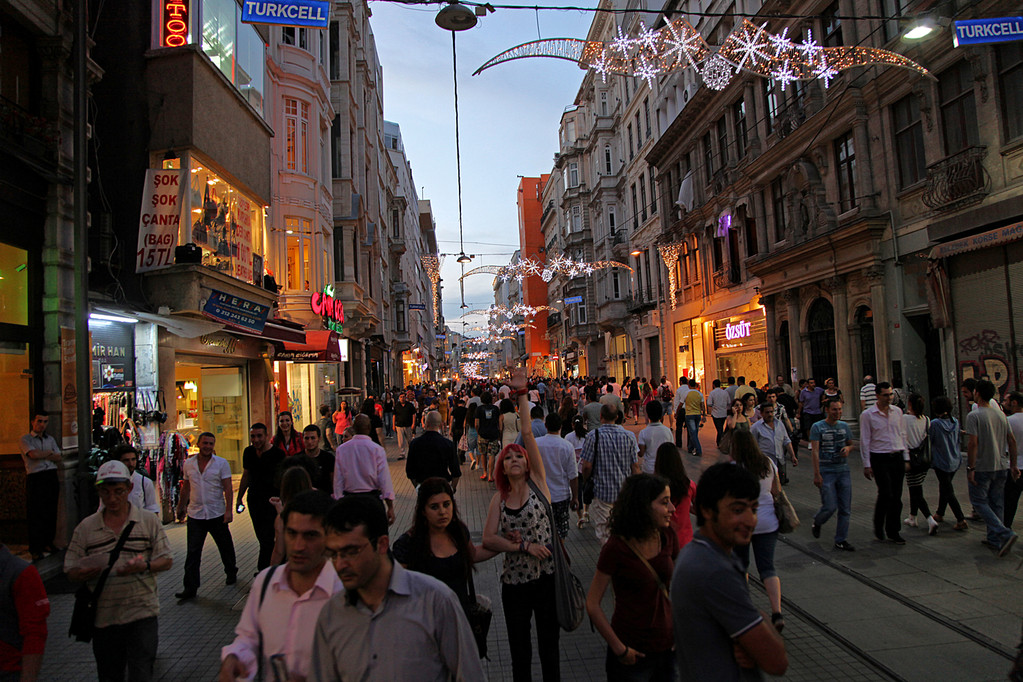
x=32 y=135
x=642 y=301
x=958 y=180
x=553 y=320
x=727 y=278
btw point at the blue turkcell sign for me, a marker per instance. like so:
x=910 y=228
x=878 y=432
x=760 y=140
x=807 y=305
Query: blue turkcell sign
x=573 y=299
x=308 y=13
x=981 y=31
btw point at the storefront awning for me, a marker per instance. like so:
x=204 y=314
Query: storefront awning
x=997 y=237
x=185 y=327
x=320 y=345
x=274 y=331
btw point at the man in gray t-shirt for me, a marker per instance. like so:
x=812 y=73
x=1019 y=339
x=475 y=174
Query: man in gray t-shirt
x=719 y=633
x=989 y=441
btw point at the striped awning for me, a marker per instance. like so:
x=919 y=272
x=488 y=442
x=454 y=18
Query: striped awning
x=996 y=237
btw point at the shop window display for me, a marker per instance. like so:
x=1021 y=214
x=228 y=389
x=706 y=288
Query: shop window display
x=214 y=399
x=226 y=224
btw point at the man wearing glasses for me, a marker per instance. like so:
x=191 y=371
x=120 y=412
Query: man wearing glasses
x=885 y=460
x=388 y=619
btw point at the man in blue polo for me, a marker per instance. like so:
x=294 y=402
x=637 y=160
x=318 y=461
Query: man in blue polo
x=830 y=443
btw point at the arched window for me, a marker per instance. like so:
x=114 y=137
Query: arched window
x=820 y=326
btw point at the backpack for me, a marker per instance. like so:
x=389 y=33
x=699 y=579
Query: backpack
x=666 y=393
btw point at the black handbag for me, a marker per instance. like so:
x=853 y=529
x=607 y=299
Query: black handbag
x=479 y=614
x=589 y=485
x=569 y=595
x=83 y=617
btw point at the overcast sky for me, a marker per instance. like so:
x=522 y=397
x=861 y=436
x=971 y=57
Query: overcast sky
x=509 y=118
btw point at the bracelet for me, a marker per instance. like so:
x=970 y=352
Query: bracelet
x=521 y=391
x=522 y=545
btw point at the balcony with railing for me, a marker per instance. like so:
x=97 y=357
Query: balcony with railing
x=727 y=278
x=641 y=301
x=33 y=136
x=958 y=180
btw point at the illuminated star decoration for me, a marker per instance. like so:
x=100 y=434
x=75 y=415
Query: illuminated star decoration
x=678 y=45
x=509 y=312
x=559 y=264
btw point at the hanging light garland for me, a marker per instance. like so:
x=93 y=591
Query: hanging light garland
x=472 y=370
x=678 y=45
x=432 y=264
x=669 y=254
x=559 y=264
x=499 y=327
x=478 y=355
x=516 y=310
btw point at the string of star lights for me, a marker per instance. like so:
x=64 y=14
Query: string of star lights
x=432 y=264
x=499 y=327
x=678 y=45
x=472 y=370
x=559 y=264
x=669 y=253
x=486 y=339
x=478 y=355
x=516 y=310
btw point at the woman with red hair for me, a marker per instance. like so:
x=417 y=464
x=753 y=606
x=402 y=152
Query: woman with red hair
x=518 y=525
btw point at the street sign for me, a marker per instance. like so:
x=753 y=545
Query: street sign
x=442 y=336
x=308 y=13
x=417 y=306
x=982 y=31
x=573 y=299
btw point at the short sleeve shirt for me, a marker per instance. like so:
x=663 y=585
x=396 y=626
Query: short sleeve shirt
x=263 y=479
x=711 y=607
x=489 y=425
x=45 y=442
x=694 y=402
x=206 y=497
x=812 y=400
x=990 y=427
x=832 y=439
x=651 y=438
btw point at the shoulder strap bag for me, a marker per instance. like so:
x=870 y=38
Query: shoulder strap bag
x=260 y=672
x=660 y=584
x=589 y=485
x=569 y=596
x=83 y=617
x=480 y=613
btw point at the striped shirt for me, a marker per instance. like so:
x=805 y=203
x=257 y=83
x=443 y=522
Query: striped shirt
x=616 y=453
x=125 y=598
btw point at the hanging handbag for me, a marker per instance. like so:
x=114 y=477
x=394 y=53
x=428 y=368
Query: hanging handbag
x=569 y=596
x=260 y=671
x=920 y=456
x=480 y=614
x=786 y=513
x=83 y=617
x=589 y=485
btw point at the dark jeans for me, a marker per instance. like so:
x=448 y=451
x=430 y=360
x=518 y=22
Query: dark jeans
x=889 y=472
x=129 y=647
x=1012 y=492
x=263 y=516
x=916 y=496
x=680 y=429
x=806 y=422
x=42 y=491
x=521 y=602
x=947 y=494
x=196 y=538
x=719 y=426
x=654 y=667
x=693 y=425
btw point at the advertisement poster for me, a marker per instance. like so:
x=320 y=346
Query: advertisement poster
x=69 y=390
x=236 y=311
x=163 y=202
x=242 y=224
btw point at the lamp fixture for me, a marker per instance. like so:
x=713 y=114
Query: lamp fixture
x=463 y=258
x=920 y=28
x=456 y=17
x=636 y=253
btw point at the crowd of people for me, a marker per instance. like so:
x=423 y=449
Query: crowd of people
x=333 y=593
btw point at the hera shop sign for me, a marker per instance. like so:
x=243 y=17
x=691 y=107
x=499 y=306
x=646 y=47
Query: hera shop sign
x=329 y=308
x=162 y=204
x=174 y=23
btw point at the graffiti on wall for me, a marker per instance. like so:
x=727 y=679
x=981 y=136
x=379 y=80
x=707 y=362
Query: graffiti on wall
x=986 y=354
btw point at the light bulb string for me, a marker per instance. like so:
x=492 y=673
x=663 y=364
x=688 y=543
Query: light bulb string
x=458 y=146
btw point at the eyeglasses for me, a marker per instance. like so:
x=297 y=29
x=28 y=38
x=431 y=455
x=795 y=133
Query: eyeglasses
x=345 y=553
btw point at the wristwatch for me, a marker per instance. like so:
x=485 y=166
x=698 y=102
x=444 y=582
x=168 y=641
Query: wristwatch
x=969 y=468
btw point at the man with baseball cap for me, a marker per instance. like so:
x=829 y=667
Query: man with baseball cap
x=126 y=634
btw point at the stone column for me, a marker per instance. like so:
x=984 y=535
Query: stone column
x=771 y=320
x=763 y=242
x=843 y=353
x=795 y=343
x=878 y=304
x=866 y=197
x=749 y=96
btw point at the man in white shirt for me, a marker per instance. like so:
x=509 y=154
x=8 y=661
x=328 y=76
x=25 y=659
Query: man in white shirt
x=143 y=492
x=285 y=601
x=558 y=457
x=207 y=492
x=718 y=403
x=885 y=460
x=41 y=454
x=652 y=436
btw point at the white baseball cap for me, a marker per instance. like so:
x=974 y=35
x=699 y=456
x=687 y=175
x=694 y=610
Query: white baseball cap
x=112 y=472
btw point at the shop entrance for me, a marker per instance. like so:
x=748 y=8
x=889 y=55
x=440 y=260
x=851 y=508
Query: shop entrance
x=214 y=399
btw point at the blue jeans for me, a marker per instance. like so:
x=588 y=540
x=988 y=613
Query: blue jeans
x=763 y=553
x=987 y=496
x=693 y=425
x=836 y=494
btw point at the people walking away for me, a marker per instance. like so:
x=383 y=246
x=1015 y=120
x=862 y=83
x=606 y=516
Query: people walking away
x=718 y=403
x=536 y=423
x=696 y=416
x=360 y=467
x=868 y=393
x=831 y=442
x=562 y=471
x=731 y=388
x=376 y=432
x=652 y=435
x=665 y=395
x=885 y=461
x=404 y=422
x=576 y=439
x=669 y=465
x=23 y=613
x=567 y=412
x=634 y=399
x=946 y=458
x=591 y=410
x=742 y=390
x=41 y=454
x=388 y=622
x=143 y=491
x=527 y=578
x=287 y=438
x=261 y=465
x=988 y=440
x=810 y=408
x=612 y=398
x=123 y=547
x=471 y=437
x=719 y=633
x=916 y=426
x=206 y=495
x=457 y=427
x=1014 y=486
x=326 y=425
x=765 y=535
x=431 y=454
x=610 y=455
x=279 y=618
x=387 y=402
x=637 y=562
x=488 y=434
x=773 y=440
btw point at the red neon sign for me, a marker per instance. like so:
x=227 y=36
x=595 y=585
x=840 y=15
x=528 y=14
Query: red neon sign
x=175 y=23
x=331 y=309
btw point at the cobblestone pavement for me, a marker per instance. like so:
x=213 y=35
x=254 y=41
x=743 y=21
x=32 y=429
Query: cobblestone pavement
x=881 y=613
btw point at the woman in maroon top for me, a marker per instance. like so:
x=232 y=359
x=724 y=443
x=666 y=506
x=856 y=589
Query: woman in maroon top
x=638 y=561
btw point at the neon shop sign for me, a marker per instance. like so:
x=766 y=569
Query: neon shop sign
x=739 y=330
x=329 y=308
x=175 y=23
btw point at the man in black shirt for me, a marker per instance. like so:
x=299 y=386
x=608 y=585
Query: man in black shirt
x=488 y=428
x=404 y=422
x=432 y=454
x=457 y=426
x=261 y=463
x=324 y=458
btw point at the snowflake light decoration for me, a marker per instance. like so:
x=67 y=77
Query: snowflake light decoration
x=645 y=39
x=528 y=267
x=717 y=72
x=621 y=44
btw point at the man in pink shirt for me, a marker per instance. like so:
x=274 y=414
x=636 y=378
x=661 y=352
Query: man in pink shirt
x=360 y=467
x=284 y=604
x=885 y=460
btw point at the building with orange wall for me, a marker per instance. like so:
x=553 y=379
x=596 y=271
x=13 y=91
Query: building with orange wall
x=534 y=289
